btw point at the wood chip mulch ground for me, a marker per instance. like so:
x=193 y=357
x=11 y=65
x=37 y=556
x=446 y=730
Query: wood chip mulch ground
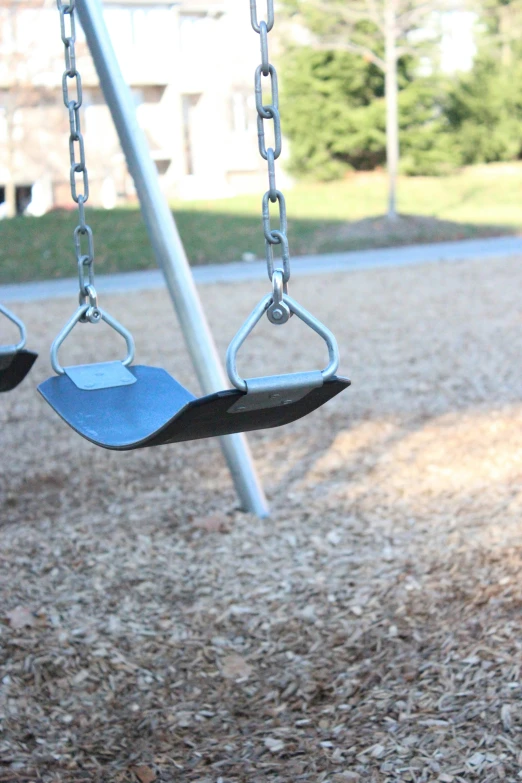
x=369 y=630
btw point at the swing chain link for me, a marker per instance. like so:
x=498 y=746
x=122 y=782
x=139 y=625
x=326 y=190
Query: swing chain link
x=83 y=236
x=270 y=111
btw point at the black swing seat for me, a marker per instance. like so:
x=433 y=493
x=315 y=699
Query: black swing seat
x=155 y=409
x=15 y=361
x=14 y=367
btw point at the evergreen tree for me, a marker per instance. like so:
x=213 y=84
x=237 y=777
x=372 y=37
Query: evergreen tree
x=334 y=116
x=380 y=32
x=484 y=106
x=333 y=112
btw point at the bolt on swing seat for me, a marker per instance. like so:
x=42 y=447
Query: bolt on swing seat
x=120 y=406
x=15 y=360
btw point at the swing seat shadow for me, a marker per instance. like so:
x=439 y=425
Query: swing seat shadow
x=157 y=410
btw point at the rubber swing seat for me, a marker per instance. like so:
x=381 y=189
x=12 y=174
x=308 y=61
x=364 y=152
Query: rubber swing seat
x=14 y=367
x=157 y=410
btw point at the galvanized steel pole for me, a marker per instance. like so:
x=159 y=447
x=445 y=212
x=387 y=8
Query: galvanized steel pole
x=167 y=245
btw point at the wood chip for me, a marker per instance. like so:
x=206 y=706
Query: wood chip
x=235 y=667
x=20 y=617
x=144 y=774
x=274 y=745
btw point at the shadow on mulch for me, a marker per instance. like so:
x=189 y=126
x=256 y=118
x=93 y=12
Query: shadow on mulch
x=413 y=229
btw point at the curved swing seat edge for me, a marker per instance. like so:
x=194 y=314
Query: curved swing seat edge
x=158 y=410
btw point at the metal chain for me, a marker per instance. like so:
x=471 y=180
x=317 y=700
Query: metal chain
x=267 y=112
x=83 y=238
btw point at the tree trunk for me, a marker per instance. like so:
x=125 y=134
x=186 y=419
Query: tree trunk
x=392 y=112
x=10 y=187
x=505 y=29
x=10 y=198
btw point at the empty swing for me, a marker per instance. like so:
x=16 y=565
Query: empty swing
x=121 y=406
x=15 y=360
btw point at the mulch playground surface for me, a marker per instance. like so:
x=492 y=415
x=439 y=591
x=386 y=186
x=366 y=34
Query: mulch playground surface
x=370 y=630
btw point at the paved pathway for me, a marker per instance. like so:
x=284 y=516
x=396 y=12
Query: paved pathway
x=494 y=247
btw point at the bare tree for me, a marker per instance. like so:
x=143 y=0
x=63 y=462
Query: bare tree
x=34 y=125
x=23 y=55
x=381 y=32
x=31 y=69
x=505 y=26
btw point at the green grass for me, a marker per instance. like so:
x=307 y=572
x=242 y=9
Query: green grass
x=347 y=215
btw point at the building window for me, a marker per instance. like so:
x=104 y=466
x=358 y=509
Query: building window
x=162 y=166
x=189 y=103
x=23 y=195
x=243 y=114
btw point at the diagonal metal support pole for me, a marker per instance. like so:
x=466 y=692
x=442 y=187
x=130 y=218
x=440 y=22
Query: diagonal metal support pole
x=167 y=245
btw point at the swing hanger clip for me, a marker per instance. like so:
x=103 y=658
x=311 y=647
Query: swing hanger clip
x=269 y=383
x=278 y=312
x=81 y=316
x=89 y=300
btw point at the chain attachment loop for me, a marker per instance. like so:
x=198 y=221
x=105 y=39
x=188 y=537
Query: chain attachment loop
x=285 y=256
x=262 y=110
x=70 y=75
x=90 y=300
x=272 y=190
x=274 y=115
x=274 y=237
x=263 y=32
x=278 y=312
x=269 y=15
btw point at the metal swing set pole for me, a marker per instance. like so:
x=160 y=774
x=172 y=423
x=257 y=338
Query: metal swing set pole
x=168 y=248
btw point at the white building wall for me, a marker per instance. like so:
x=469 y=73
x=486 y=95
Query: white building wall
x=191 y=68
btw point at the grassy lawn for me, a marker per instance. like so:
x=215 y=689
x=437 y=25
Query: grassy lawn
x=323 y=218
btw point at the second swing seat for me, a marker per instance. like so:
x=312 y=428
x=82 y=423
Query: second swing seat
x=15 y=360
x=14 y=367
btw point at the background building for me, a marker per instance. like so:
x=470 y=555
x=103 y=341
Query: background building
x=190 y=65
